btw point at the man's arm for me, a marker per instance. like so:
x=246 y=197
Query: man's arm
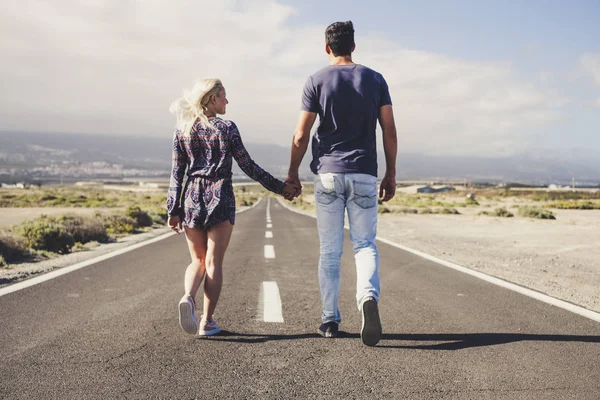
x=387 y=190
x=300 y=144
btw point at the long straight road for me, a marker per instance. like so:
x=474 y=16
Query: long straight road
x=110 y=330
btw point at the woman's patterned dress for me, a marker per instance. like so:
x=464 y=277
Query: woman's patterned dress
x=208 y=197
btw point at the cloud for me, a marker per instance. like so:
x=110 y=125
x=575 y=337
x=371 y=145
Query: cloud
x=590 y=63
x=105 y=66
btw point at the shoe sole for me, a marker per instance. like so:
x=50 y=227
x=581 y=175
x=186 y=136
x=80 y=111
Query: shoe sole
x=209 y=333
x=328 y=335
x=186 y=318
x=371 y=329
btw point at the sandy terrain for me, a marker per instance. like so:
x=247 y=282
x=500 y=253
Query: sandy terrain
x=11 y=216
x=560 y=258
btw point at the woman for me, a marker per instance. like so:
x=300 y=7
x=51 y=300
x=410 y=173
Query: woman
x=205 y=144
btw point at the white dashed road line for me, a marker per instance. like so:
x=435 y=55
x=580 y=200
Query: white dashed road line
x=268 y=234
x=270 y=302
x=269 y=251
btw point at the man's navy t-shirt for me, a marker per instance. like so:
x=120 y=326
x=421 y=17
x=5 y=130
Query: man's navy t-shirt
x=347 y=99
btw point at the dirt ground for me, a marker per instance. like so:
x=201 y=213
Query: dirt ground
x=559 y=257
x=14 y=215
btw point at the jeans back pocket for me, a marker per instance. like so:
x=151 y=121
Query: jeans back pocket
x=365 y=194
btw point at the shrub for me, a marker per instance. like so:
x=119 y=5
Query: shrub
x=383 y=209
x=447 y=210
x=535 y=212
x=159 y=215
x=471 y=202
x=498 y=212
x=406 y=210
x=84 y=229
x=246 y=199
x=12 y=248
x=574 y=205
x=119 y=224
x=140 y=216
x=47 y=234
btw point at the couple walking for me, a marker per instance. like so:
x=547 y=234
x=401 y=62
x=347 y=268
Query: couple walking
x=349 y=99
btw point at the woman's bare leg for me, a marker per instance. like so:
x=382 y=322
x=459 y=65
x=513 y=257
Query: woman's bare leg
x=197 y=241
x=218 y=240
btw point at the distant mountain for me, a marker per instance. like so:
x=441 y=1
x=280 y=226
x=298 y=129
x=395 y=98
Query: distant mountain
x=26 y=150
x=41 y=148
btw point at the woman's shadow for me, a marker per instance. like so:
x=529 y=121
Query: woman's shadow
x=439 y=341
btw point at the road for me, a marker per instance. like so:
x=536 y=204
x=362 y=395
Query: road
x=110 y=330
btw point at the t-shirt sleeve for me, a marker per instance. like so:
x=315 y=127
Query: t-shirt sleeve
x=385 y=94
x=310 y=102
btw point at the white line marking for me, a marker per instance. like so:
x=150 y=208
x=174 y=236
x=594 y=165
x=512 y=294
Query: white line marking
x=269 y=209
x=270 y=301
x=269 y=226
x=269 y=234
x=269 y=251
x=65 y=270
x=584 y=312
x=56 y=273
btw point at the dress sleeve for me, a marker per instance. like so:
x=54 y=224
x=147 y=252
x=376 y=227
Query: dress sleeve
x=250 y=168
x=179 y=164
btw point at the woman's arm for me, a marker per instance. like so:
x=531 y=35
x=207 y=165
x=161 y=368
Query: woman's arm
x=250 y=168
x=179 y=164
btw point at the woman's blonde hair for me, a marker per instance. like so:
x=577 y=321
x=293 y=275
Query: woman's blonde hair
x=191 y=106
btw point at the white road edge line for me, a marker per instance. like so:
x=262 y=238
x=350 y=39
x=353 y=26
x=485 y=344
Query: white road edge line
x=65 y=270
x=269 y=251
x=269 y=235
x=251 y=207
x=584 y=312
x=270 y=302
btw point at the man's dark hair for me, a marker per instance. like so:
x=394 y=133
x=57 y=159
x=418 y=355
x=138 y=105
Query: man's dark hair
x=340 y=38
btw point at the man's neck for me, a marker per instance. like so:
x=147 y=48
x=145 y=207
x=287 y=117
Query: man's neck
x=341 y=60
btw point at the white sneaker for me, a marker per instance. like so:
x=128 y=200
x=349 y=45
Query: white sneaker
x=208 y=328
x=187 y=315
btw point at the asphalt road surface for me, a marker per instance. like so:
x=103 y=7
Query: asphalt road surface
x=110 y=330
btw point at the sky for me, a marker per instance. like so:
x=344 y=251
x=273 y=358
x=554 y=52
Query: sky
x=467 y=78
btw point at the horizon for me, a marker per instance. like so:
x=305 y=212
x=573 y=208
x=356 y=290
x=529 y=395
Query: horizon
x=41 y=153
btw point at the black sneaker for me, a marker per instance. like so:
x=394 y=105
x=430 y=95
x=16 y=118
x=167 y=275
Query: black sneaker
x=370 y=333
x=329 y=329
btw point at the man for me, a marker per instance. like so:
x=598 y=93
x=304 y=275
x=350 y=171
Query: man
x=349 y=99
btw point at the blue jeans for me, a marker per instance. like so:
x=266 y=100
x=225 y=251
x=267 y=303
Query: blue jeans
x=334 y=193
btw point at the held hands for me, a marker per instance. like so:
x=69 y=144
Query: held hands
x=174 y=223
x=293 y=188
x=387 y=189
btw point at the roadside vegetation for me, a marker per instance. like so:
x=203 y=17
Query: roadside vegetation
x=124 y=213
x=535 y=212
x=498 y=212
x=575 y=205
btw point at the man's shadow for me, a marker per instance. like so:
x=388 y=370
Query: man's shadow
x=443 y=341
